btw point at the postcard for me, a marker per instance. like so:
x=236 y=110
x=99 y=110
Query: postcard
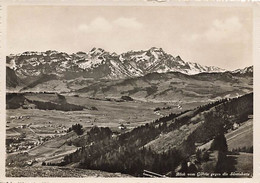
x=129 y=91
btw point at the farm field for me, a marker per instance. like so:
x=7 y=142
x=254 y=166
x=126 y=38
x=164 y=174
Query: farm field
x=106 y=114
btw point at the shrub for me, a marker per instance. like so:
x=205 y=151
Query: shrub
x=77 y=128
x=157 y=109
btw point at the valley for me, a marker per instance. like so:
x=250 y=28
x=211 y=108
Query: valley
x=34 y=130
x=33 y=141
x=103 y=114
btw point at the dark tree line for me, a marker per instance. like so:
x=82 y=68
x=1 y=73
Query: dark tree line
x=56 y=106
x=124 y=159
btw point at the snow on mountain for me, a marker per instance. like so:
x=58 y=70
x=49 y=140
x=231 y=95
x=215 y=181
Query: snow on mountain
x=98 y=63
x=246 y=70
x=156 y=60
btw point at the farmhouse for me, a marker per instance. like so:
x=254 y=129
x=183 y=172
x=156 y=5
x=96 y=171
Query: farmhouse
x=122 y=127
x=235 y=126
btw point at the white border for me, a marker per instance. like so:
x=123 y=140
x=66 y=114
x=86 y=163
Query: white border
x=256 y=61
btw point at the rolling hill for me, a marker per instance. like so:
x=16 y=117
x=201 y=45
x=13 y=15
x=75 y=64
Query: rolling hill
x=173 y=86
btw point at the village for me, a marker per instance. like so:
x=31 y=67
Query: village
x=23 y=137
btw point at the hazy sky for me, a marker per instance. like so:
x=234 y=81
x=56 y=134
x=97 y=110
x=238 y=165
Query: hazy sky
x=210 y=36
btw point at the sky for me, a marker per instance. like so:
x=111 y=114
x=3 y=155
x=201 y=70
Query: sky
x=212 y=36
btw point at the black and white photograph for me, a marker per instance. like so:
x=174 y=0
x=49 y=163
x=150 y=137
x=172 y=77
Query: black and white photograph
x=129 y=91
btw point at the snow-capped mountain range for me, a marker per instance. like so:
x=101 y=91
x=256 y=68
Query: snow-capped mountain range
x=98 y=63
x=246 y=70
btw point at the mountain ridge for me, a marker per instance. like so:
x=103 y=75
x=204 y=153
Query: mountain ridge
x=98 y=63
x=151 y=74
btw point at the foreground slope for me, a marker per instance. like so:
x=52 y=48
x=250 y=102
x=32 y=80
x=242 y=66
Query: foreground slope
x=132 y=152
x=241 y=137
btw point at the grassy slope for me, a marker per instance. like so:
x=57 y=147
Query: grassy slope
x=176 y=137
x=243 y=162
x=241 y=137
x=171 y=139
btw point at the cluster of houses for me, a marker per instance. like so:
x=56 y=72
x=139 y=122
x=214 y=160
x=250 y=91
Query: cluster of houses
x=25 y=125
x=19 y=117
x=21 y=146
x=61 y=128
x=158 y=113
x=18 y=144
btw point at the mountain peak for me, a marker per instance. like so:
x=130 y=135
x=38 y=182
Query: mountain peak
x=155 y=49
x=246 y=70
x=178 y=58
